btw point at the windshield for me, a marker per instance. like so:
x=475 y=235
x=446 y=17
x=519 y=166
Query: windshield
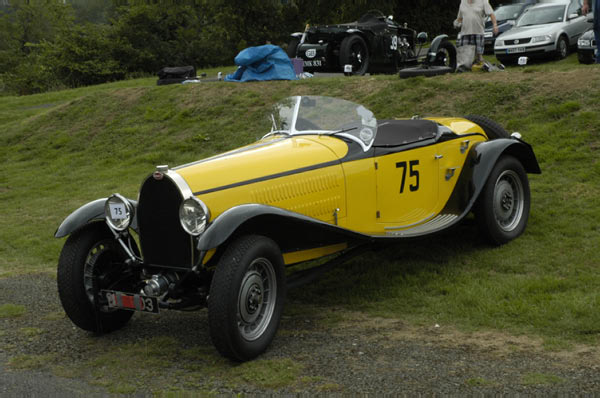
x=324 y=116
x=511 y=11
x=542 y=15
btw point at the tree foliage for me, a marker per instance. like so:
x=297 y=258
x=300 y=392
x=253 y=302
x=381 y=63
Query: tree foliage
x=48 y=44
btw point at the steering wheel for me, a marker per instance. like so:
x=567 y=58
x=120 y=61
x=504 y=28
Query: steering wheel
x=372 y=14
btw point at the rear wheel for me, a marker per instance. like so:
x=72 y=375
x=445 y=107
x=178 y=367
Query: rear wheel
x=503 y=205
x=292 y=47
x=492 y=129
x=354 y=51
x=92 y=260
x=246 y=297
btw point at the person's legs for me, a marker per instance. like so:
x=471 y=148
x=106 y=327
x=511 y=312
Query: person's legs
x=479 y=47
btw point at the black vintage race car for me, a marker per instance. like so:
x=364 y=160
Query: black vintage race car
x=373 y=44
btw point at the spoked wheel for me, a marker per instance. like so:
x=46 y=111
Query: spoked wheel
x=503 y=207
x=354 y=51
x=246 y=297
x=91 y=260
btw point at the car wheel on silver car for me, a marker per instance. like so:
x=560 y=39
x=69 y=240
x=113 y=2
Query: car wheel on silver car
x=246 y=297
x=91 y=260
x=503 y=205
x=562 y=48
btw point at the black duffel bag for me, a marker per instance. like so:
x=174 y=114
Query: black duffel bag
x=177 y=74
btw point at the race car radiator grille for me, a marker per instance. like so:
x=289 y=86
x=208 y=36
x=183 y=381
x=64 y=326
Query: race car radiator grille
x=163 y=240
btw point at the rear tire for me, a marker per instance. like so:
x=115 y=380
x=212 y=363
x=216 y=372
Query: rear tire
x=492 y=129
x=91 y=260
x=354 y=51
x=292 y=47
x=503 y=206
x=246 y=297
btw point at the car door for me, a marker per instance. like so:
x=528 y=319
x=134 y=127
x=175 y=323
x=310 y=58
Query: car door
x=575 y=25
x=407 y=187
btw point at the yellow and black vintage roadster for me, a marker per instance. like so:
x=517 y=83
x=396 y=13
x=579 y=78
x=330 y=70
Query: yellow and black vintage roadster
x=328 y=178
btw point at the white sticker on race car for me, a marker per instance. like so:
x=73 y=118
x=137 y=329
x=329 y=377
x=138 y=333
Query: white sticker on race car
x=117 y=211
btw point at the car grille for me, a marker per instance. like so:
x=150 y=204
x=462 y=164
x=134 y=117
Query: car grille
x=517 y=41
x=163 y=240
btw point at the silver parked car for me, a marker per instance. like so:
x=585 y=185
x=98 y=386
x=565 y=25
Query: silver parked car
x=548 y=29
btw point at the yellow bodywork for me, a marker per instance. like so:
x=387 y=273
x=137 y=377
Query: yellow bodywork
x=309 y=175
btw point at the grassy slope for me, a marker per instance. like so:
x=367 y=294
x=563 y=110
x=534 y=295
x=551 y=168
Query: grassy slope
x=66 y=148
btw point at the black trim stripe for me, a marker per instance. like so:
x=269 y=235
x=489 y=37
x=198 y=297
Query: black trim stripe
x=352 y=155
x=270 y=177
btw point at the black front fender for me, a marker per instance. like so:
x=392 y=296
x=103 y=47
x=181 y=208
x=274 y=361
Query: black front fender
x=90 y=211
x=433 y=49
x=290 y=230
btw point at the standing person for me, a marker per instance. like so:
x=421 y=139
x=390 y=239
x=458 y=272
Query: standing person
x=471 y=18
x=595 y=8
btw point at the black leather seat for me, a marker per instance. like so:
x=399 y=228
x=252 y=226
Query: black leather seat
x=401 y=132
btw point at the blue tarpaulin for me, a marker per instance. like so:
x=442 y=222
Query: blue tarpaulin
x=266 y=62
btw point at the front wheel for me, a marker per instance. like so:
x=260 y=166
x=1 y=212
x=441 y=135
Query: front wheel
x=92 y=260
x=562 y=48
x=246 y=297
x=446 y=55
x=503 y=206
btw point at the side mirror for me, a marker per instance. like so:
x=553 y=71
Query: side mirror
x=391 y=17
x=590 y=17
x=573 y=16
x=422 y=38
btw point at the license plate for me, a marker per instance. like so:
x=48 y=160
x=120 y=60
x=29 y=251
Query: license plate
x=314 y=62
x=132 y=302
x=515 y=50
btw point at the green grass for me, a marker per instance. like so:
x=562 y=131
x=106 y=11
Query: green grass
x=11 y=310
x=127 y=368
x=63 y=149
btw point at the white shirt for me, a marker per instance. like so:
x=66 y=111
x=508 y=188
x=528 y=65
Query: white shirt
x=473 y=13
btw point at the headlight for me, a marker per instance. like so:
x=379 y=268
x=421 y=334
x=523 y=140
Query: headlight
x=538 y=39
x=584 y=43
x=118 y=212
x=499 y=43
x=193 y=215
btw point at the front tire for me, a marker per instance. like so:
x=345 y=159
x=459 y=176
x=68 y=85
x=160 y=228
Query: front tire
x=354 y=51
x=446 y=55
x=562 y=48
x=503 y=206
x=246 y=297
x=92 y=260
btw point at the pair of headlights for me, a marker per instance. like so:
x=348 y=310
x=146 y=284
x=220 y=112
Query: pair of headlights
x=193 y=214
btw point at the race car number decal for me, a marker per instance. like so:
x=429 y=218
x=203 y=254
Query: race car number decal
x=394 y=45
x=412 y=172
